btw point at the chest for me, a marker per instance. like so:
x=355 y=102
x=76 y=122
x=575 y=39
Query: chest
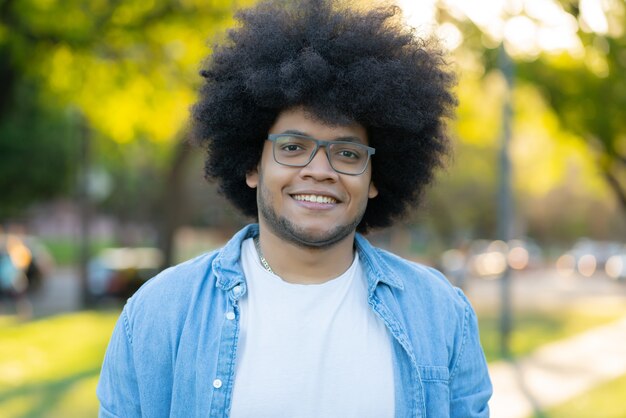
x=311 y=352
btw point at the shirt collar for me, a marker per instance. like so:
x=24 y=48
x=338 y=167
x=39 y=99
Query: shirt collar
x=377 y=270
x=226 y=265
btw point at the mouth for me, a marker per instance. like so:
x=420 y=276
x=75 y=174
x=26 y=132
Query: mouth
x=315 y=198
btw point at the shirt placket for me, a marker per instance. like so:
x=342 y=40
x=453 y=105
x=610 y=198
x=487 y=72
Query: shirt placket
x=225 y=374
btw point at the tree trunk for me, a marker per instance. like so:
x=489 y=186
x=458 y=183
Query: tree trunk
x=173 y=202
x=618 y=190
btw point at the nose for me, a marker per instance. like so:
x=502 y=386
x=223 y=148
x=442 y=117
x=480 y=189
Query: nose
x=319 y=168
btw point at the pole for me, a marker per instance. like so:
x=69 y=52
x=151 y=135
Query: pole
x=505 y=205
x=84 y=204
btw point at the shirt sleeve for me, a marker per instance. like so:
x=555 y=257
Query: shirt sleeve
x=470 y=386
x=118 y=391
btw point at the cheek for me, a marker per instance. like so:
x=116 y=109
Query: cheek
x=361 y=192
x=270 y=185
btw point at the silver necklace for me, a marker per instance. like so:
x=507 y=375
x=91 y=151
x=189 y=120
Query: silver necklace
x=262 y=259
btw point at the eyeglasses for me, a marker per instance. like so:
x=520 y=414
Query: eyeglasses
x=345 y=157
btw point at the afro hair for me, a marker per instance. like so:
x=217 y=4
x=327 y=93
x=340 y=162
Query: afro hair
x=342 y=65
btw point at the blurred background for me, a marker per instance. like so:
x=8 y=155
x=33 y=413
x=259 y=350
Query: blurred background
x=98 y=190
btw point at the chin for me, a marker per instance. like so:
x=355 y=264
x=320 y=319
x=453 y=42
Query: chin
x=307 y=232
x=314 y=237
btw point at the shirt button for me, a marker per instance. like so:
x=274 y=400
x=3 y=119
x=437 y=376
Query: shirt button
x=237 y=289
x=217 y=383
x=230 y=316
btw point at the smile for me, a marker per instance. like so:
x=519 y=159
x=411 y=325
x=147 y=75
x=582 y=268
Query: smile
x=314 y=198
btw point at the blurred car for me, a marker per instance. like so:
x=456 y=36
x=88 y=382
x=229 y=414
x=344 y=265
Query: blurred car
x=119 y=272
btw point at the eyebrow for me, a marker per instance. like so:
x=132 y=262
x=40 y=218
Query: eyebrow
x=342 y=138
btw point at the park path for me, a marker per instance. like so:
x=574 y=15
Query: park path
x=558 y=371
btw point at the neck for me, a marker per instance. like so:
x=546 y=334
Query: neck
x=305 y=265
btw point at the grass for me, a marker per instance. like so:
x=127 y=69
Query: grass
x=65 y=251
x=533 y=329
x=603 y=401
x=49 y=367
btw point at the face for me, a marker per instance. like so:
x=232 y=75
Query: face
x=311 y=206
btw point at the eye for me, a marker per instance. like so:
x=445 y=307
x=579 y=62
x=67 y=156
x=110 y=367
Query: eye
x=292 y=147
x=348 y=154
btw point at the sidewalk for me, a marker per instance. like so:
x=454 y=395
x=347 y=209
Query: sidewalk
x=558 y=372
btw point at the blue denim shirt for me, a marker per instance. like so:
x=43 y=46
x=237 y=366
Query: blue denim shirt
x=174 y=348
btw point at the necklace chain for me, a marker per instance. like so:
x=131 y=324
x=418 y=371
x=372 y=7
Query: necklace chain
x=262 y=259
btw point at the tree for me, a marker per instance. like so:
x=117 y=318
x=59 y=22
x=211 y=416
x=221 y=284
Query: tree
x=36 y=152
x=589 y=96
x=129 y=68
x=574 y=52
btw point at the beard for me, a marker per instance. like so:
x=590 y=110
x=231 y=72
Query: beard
x=295 y=234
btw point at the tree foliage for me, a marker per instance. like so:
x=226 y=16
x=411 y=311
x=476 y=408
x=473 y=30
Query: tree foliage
x=576 y=60
x=36 y=152
x=589 y=97
x=128 y=67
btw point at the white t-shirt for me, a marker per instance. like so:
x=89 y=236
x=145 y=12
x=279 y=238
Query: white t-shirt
x=310 y=350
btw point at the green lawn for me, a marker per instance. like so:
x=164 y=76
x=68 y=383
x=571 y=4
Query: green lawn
x=604 y=401
x=49 y=367
x=65 y=251
x=535 y=328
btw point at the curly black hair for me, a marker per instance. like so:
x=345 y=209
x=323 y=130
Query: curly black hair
x=342 y=65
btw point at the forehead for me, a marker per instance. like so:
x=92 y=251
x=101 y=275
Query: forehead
x=305 y=122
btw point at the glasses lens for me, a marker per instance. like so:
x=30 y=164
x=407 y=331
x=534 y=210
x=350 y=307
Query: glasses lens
x=293 y=150
x=348 y=157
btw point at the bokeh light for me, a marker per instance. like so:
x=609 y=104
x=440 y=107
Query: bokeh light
x=615 y=267
x=566 y=265
x=587 y=265
x=518 y=258
x=453 y=260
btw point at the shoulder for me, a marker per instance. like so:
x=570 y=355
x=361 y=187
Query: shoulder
x=179 y=279
x=434 y=313
x=422 y=296
x=171 y=292
x=191 y=289
x=416 y=281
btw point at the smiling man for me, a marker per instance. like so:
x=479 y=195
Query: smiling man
x=321 y=122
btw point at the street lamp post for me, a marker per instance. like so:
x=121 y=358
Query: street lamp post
x=505 y=204
x=85 y=209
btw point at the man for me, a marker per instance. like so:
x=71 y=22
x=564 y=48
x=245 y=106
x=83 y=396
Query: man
x=321 y=122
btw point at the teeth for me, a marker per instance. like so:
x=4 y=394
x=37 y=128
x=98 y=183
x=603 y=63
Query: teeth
x=314 y=198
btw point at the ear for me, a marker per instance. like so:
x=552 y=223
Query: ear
x=252 y=178
x=373 y=191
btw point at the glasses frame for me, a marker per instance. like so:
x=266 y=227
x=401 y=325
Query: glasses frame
x=320 y=143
